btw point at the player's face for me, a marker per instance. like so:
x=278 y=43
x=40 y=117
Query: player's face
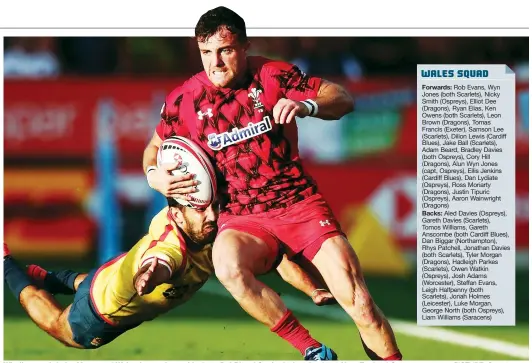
x=200 y=224
x=224 y=58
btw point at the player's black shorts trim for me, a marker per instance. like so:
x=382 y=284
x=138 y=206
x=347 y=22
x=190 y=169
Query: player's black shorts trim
x=88 y=328
x=278 y=258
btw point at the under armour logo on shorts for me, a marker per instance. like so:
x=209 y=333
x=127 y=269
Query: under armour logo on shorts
x=325 y=223
x=97 y=342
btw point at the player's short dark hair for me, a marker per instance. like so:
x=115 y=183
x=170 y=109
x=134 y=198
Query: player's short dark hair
x=218 y=18
x=173 y=203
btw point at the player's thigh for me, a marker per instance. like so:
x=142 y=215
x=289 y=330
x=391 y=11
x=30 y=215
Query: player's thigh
x=338 y=263
x=62 y=330
x=304 y=226
x=235 y=250
x=88 y=329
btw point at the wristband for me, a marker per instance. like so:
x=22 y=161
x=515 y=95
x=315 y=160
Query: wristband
x=312 y=106
x=150 y=168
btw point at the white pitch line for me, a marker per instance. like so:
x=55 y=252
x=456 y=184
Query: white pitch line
x=400 y=326
x=466 y=340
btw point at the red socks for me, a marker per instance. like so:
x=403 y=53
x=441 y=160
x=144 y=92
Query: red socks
x=396 y=356
x=373 y=356
x=291 y=330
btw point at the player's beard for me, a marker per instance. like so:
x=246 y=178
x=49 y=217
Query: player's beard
x=205 y=236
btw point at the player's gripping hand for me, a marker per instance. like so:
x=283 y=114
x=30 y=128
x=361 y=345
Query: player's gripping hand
x=323 y=297
x=285 y=111
x=169 y=185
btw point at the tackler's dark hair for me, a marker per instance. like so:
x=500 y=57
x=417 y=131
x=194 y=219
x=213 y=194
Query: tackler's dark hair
x=219 y=18
x=173 y=203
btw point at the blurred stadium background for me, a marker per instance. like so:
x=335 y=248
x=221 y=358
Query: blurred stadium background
x=79 y=111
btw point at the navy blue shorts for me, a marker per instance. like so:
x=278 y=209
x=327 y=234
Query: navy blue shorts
x=88 y=328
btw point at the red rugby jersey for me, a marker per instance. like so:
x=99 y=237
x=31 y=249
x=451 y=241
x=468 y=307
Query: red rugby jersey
x=257 y=160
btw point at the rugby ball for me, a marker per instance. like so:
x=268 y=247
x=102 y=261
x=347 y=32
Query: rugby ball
x=191 y=159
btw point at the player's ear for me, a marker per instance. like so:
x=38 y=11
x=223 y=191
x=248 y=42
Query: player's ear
x=247 y=44
x=178 y=216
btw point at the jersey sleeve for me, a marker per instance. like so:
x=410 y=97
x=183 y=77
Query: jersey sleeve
x=167 y=254
x=291 y=82
x=171 y=122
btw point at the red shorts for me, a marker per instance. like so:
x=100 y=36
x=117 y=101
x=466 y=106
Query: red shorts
x=299 y=229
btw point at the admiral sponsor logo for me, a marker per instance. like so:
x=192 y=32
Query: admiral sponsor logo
x=219 y=141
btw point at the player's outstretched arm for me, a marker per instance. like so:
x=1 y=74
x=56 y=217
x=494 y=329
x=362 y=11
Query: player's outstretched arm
x=331 y=103
x=161 y=179
x=150 y=276
x=293 y=274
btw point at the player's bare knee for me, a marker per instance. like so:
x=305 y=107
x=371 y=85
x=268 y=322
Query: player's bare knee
x=229 y=272
x=224 y=272
x=224 y=267
x=235 y=279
